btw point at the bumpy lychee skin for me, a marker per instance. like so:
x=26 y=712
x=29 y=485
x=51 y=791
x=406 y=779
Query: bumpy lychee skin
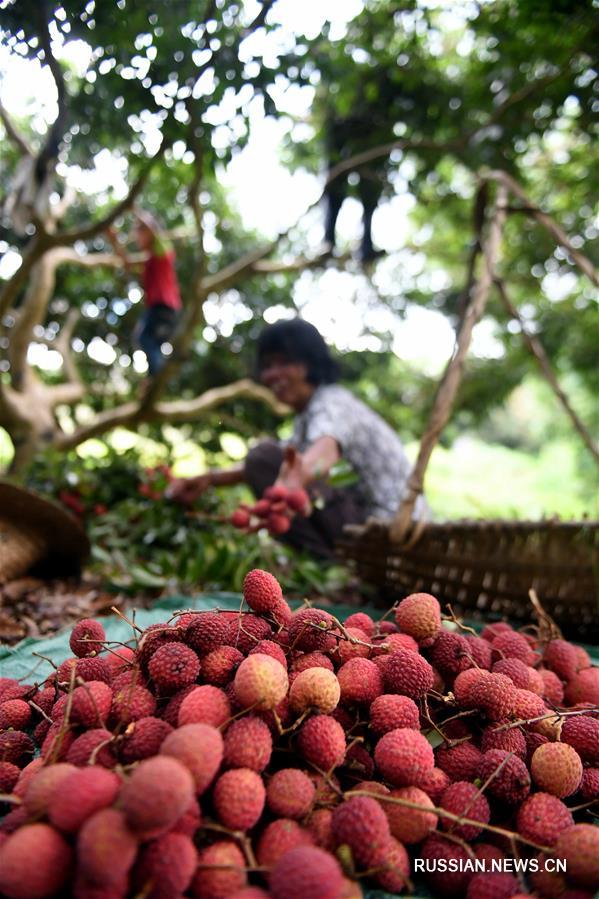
x=305 y=660
x=434 y=782
x=552 y=690
x=403 y=756
x=220 y=665
x=321 y=741
x=319 y=826
x=82 y=794
x=270 y=648
x=87 y=637
x=408 y=674
x=464 y=684
x=261 y=591
x=419 y=615
x=206 y=632
x=542 y=817
x=165 y=866
x=528 y=705
x=315 y=688
x=91 y=704
x=584 y=687
x=579 y=846
x=173 y=666
x=562 y=658
x=106 y=847
x=509 y=778
x=439 y=854
x=392 y=642
x=95 y=746
x=9 y=775
x=35 y=862
x=511 y=739
x=260 y=682
x=464 y=799
x=495 y=695
x=390 y=711
x=143 y=739
x=515 y=669
x=221 y=870
x=347 y=649
x=361 y=824
x=557 y=769
x=589 y=785
x=310 y=630
x=132 y=703
x=450 y=654
x=306 y=871
x=238 y=798
x=362 y=621
x=290 y=793
x=15 y=713
x=492 y=885
x=205 y=705
x=245 y=630
x=511 y=644
x=460 y=762
x=248 y=744
x=200 y=748
x=410 y=825
x=43 y=786
x=278 y=838
x=582 y=733
x=360 y=681
x=479 y=651
x=158 y=792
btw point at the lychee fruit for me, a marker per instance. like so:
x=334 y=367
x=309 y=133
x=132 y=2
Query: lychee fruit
x=87 y=638
x=450 y=654
x=158 y=792
x=306 y=871
x=492 y=885
x=248 y=744
x=206 y=632
x=515 y=669
x=409 y=674
x=391 y=867
x=446 y=865
x=465 y=800
x=582 y=733
x=360 y=681
x=557 y=769
x=81 y=794
x=403 y=756
x=419 y=615
x=510 y=739
x=542 y=817
x=362 y=621
x=347 y=649
x=261 y=591
x=579 y=846
x=220 y=872
x=316 y=688
x=35 y=861
x=94 y=747
x=290 y=793
x=305 y=660
x=165 y=866
x=310 y=630
x=143 y=739
x=15 y=713
x=562 y=658
x=260 y=682
x=131 y=704
x=106 y=847
x=278 y=838
x=205 y=705
x=494 y=694
x=409 y=825
x=173 y=666
x=91 y=704
x=506 y=776
x=460 y=762
x=238 y=798
x=584 y=687
x=220 y=665
x=321 y=741
x=390 y=711
x=200 y=748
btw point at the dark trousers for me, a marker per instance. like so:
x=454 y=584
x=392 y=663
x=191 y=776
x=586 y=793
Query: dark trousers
x=369 y=192
x=157 y=326
x=318 y=533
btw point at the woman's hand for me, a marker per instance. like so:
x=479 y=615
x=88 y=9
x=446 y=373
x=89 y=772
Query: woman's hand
x=187 y=490
x=291 y=473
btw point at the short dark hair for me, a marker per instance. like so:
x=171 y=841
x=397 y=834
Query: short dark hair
x=298 y=341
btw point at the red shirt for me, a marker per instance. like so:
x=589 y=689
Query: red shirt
x=160 y=281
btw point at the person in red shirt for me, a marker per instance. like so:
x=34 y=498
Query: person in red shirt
x=162 y=297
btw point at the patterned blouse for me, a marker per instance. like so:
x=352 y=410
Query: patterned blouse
x=368 y=443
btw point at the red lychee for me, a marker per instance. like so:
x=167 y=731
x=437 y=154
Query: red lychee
x=465 y=800
x=360 y=681
x=542 y=817
x=238 y=798
x=260 y=682
x=390 y=711
x=173 y=666
x=321 y=741
x=106 y=847
x=248 y=744
x=158 y=792
x=306 y=871
x=290 y=793
x=557 y=769
x=220 y=872
x=403 y=756
x=419 y=615
x=408 y=674
x=200 y=748
x=87 y=638
x=35 y=862
x=316 y=688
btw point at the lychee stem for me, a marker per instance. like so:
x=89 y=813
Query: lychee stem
x=554 y=714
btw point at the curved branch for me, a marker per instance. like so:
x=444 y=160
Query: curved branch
x=13 y=134
x=175 y=411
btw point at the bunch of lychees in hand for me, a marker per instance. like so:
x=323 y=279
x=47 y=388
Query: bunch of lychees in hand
x=265 y=752
x=274 y=511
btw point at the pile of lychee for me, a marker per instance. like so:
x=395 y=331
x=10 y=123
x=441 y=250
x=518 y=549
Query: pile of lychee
x=265 y=752
x=274 y=511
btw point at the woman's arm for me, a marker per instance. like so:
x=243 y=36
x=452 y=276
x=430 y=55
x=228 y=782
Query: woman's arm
x=299 y=469
x=187 y=490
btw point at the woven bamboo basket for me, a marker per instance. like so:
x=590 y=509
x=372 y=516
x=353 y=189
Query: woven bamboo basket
x=485 y=568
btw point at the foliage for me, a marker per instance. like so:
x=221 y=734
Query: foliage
x=142 y=541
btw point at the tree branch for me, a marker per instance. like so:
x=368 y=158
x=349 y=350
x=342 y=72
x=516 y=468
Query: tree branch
x=175 y=411
x=558 y=234
x=13 y=134
x=537 y=350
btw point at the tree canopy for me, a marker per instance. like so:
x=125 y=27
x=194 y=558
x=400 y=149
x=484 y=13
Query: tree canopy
x=451 y=94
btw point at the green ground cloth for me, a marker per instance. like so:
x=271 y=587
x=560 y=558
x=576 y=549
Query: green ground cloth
x=18 y=661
